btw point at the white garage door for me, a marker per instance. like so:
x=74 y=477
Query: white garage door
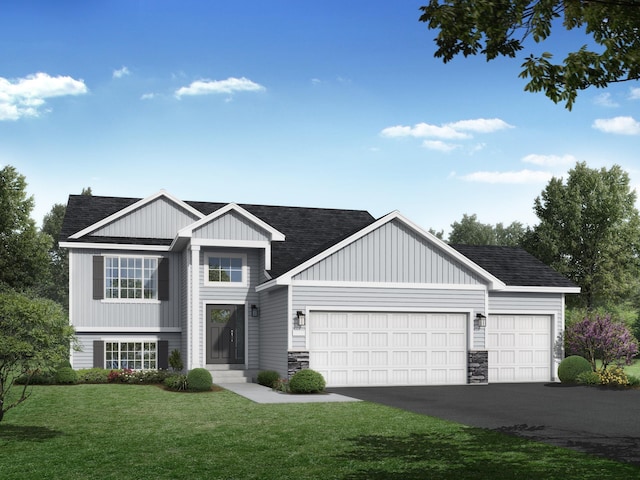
x=381 y=348
x=519 y=348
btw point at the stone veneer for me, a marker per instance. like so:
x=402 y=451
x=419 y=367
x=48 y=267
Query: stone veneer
x=478 y=366
x=297 y=361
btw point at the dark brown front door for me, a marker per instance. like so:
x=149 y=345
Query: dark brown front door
x=225 y=333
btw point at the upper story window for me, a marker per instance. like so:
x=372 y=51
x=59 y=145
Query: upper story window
x=225 y=269
x=131 y=278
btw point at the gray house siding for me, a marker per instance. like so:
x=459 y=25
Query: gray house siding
x=231 y=226
x=273 y=330
x=90 y=313
x=157 y=219
x=243 y=295
x=185 y=281
x=391 y=253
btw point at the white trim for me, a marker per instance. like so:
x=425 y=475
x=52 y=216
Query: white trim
x=130 y=339
x=188 y=230
x=290 y=321
x=397 y=285
x=207 y=242
x=115 y=246
x=134 y=206
x=194 y=311
x=494 y=282
x=129 y=329
x=245 y=270
x=524 y=289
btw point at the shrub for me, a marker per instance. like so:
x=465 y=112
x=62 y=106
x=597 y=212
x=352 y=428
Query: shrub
x=571 y=367
x=307 y=381
x=66 y=376
x=633 y=381
x=64 y=364
x=92 y=375
x=268 y=378
x=148 y=377
x=177 y=383
x=175 y=361
x=281 y=385
x=588 y=378
x=613 y=376
x=37 y=378
x=199 y=380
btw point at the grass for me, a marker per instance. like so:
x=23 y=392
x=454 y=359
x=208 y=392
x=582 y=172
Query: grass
x=140 y=432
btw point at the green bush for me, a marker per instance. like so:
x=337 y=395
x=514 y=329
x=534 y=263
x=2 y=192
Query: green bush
x=175 y=360
x=66 y=376
x=307 y=381
x=571 y=367
x=268 y=378
x=177 y=383
x=633 y=381
x=93 y=375
x=38 y=378
x=588 y=378
x=199 y=380
x=64 y=364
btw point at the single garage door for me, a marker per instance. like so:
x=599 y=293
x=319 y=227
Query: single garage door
x=519 y=348
x=382 y=348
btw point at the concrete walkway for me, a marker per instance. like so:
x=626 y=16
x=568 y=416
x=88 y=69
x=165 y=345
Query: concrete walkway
x=261 y=394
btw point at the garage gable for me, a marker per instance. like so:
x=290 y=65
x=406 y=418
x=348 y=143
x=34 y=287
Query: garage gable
x=394 y=251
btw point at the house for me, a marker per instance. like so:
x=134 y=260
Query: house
x=242 y=288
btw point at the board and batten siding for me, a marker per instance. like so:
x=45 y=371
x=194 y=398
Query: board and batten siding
x=391 y=253
x=242 y=295
x=160 y=218
x=231 y=226
x=273 y=330
x=111 y=314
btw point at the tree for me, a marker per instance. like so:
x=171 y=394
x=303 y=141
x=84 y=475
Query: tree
x=589 y=231
x=23 y=250
x=57 y=285
x=34 y=336
x=601 y=338
x=492 y=29
x=469 y=231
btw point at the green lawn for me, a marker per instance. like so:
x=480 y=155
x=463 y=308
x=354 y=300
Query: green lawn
x=140 y=432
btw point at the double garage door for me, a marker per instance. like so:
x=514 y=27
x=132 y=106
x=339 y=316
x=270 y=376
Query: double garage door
x=396 y=348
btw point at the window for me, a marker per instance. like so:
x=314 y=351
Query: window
x=225 y=269
x=133 y=355
x=131 y=278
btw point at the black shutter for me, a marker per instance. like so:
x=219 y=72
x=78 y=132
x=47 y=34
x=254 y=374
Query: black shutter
x=98 y=354
x=163 y=355
x=163 y=279
x=98 y=277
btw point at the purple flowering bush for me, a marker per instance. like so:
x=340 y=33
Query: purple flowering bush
x=601 y=338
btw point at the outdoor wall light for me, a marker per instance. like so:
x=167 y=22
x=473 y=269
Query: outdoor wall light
x=254 y=311
x=302 y=318
x=482 y=320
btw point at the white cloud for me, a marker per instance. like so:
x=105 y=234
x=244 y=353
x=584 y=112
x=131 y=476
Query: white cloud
x=619 y=125
x=229 y=86
x=605 y=100
x=122 y=72
x=447 y=131
x=147 y=96
x=523 y=176
x=439 y=145
x=549 y=160
x=634 y=94
x=25 y=97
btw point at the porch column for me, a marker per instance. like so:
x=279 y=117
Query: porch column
x=196 y=328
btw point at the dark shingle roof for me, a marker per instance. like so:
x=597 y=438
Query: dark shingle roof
x=308 y=231
x=514 y=266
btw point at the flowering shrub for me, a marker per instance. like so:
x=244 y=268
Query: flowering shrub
x=614 y=376
x=120 y=376
x=126 y=375
x=601 y=338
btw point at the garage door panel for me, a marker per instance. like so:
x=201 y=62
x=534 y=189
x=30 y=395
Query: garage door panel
x=389 y=348
x=519 y=348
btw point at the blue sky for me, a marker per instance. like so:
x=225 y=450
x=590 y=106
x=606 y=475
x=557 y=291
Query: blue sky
x=325 y=104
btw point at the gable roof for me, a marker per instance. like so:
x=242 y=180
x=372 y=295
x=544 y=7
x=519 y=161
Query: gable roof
x=514 y=266
x=307 y=230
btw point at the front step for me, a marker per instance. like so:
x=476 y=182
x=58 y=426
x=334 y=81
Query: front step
x=231 y=376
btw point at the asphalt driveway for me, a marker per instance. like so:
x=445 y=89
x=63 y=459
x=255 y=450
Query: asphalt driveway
x=592 y=420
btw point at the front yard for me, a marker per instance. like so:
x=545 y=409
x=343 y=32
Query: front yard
x=139 y=432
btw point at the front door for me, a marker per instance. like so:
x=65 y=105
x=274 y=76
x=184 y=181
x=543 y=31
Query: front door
x=225 y=333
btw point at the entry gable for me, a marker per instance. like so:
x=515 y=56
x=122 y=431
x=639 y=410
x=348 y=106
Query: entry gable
x=392 y=250
x=158 y=216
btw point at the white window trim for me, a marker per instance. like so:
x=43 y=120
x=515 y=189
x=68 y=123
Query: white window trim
x=130 y=300
x=245 y=270
x=120 y=341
